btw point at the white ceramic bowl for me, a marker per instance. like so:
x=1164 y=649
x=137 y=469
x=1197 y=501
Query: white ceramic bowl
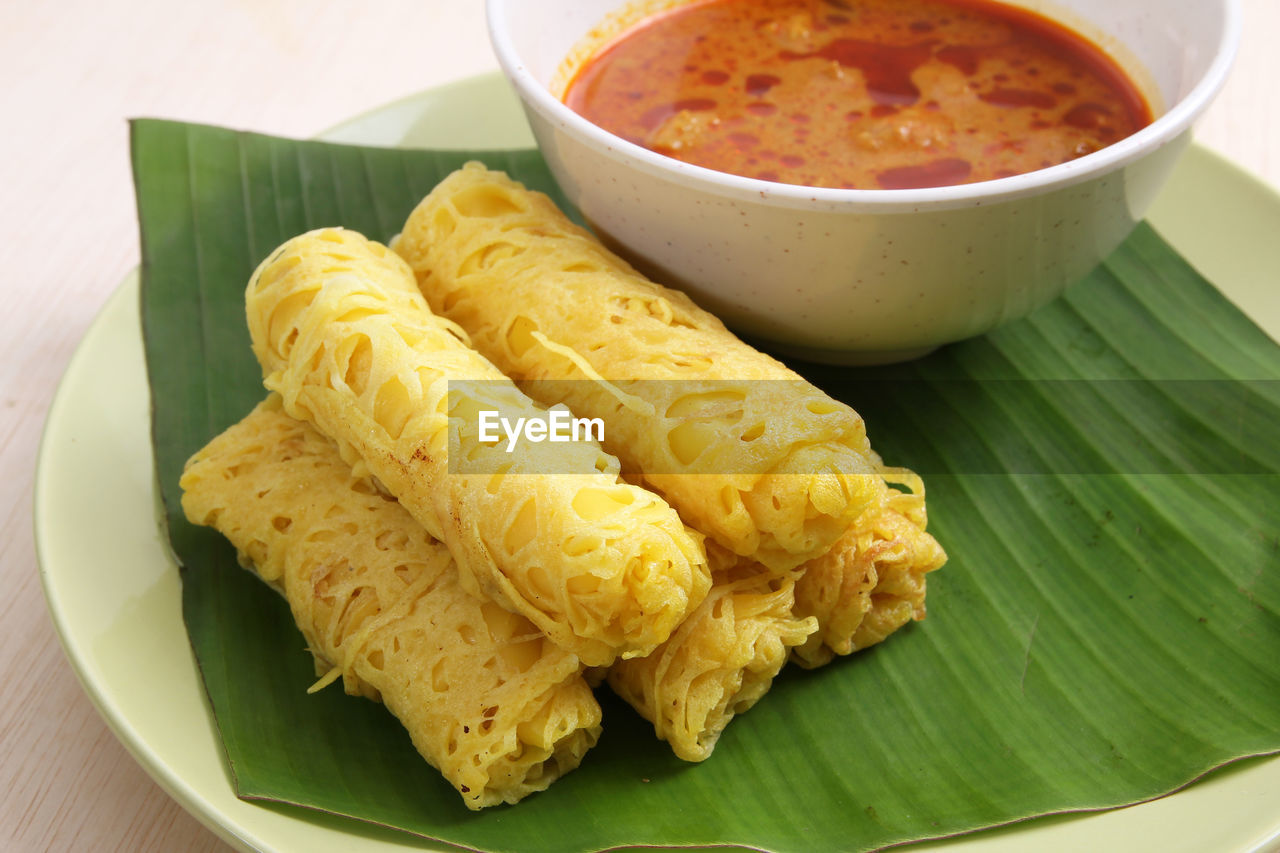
x=863 y=276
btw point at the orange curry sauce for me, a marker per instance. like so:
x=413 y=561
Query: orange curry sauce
x=866 y=94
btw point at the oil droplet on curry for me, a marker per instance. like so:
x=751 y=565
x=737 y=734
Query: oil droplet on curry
x=865 y=94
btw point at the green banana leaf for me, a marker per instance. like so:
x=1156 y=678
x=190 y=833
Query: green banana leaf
x=1103 y=474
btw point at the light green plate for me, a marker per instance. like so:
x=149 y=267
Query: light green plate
x=113 y=587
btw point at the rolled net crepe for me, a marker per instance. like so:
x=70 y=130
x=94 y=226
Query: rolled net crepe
x=603 y=567
x=872 y=581
x=486 y=698
x=719 y=663
x=783 y=469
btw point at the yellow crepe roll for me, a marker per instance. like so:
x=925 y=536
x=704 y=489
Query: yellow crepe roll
x=604 y=568
x=486 y=698
x=782 y=469
x=719 y=663
x=872 y=582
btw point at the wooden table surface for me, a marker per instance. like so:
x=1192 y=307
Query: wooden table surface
x=73 y=72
